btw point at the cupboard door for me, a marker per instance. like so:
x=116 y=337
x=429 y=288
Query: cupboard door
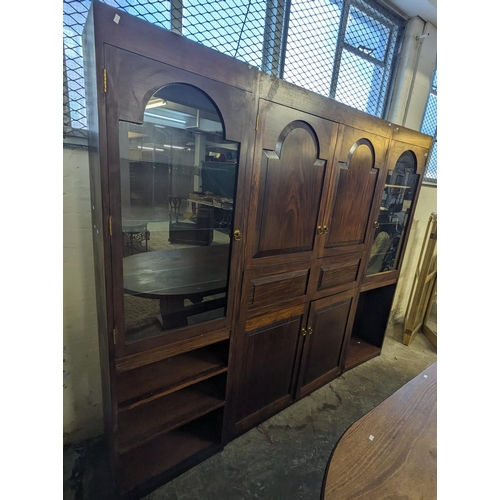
x=359 y=158
x=269 y=348
x=175 y=263
x=291 y=161
x=327 y=328
x=405 y=169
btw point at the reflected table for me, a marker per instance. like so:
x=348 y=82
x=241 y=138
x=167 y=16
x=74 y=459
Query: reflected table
x=391 y=452
x=172 y=276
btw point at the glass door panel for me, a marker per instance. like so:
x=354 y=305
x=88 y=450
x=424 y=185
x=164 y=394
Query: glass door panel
x=392 y=222
x=178 y=178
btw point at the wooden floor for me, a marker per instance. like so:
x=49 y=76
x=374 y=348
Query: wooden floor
x=390 y=452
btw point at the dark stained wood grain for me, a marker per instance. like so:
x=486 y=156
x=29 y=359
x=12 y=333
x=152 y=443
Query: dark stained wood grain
x=327 y=321
x=158 y=379
x=356 y=182
x=410 y=136
x=372 y=314
x=179 y=272
x=137 y=78
x=401 y=460
x=169 y=350
x=396 y=149
x=277 y=287
x=359 y=351
x=283 y=272
x=289 y=182
x=295 y=97
x=291 y=194
x=337 y=273
x=270 y=360
x=151 y=459
x=144 y=422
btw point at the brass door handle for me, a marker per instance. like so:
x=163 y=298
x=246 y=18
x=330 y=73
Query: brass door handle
x=303 y=331
x=237 y=235
x=376 y=224
x=325 y=229
x=320 y=229
x=309 y=330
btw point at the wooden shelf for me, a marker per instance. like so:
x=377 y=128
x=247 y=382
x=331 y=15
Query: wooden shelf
x=144 y=384
x=147 y=421
x=169 y=450
x=359 y=351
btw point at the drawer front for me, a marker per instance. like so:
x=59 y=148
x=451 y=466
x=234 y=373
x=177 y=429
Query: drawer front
x=275 y=285
x=338 y=273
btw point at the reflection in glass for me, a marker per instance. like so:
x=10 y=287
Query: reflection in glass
x=178 y=178
x=397 y=203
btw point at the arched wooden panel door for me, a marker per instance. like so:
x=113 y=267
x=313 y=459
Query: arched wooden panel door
x=291 y=163
x=359 y=159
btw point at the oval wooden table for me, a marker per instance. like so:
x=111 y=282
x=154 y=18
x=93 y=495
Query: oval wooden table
x=391 y=452
x=178 y=274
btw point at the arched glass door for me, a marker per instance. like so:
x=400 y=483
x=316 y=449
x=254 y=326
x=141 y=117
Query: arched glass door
x=178 y=178
x=395 y=209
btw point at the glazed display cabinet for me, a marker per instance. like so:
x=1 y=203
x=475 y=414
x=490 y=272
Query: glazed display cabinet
x=248 y=238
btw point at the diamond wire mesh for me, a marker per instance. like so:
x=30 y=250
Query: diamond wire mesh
x=429 y=126
x=234 y=27
x=313 y=32
x=370 y=42
x=252 y=31
x=74 y=16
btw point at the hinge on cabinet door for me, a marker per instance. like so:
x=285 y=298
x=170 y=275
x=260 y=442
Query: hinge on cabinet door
x=110 y=221
x=257 y=122
x=105 y=82
x=114 y=336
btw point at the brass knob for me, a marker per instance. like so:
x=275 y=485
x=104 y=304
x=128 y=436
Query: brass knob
x=237 y=235
x=375 y=224
x=303 y=331
x=309 y=330
x=320 y=230
x=325 y=229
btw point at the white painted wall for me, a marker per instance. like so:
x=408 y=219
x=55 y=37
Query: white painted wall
x=82 y=399
x=82 y=389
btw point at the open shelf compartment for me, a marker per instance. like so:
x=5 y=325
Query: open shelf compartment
x=144 y=422
x=146 y=383
x=370 y=324
x=168 y=452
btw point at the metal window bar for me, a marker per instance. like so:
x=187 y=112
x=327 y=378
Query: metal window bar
x=429 y=126
x=315 y=44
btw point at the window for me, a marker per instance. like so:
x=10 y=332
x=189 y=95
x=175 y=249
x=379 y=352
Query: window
x=429 y=126
x=342 y=49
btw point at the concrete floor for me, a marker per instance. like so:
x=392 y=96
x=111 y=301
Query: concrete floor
x=286 y=456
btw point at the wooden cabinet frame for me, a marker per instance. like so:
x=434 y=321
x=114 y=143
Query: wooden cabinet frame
x=285 y=276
